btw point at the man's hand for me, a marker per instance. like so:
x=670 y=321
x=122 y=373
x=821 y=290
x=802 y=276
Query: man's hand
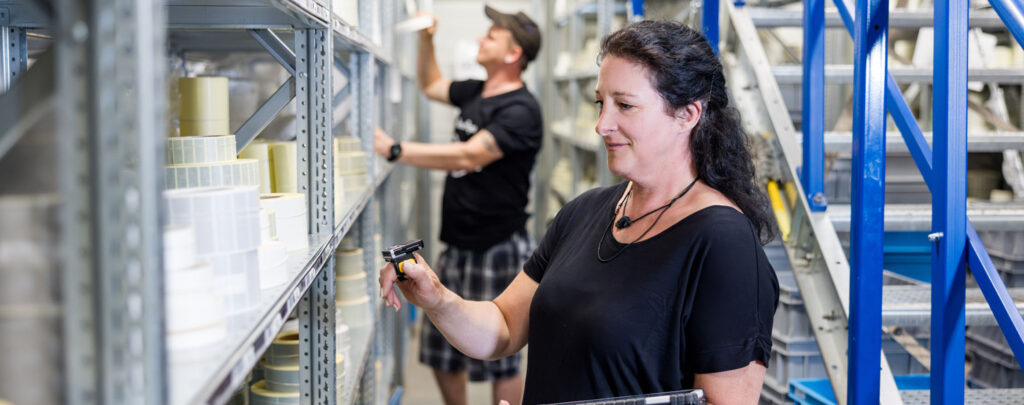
x=382 y=142
x=428 y=32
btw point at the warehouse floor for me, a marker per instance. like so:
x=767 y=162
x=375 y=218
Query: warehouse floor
x=420 y=386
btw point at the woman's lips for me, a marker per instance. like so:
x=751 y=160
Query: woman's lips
x=614 y=145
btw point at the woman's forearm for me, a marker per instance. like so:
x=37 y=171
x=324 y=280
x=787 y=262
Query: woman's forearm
x=476 y=328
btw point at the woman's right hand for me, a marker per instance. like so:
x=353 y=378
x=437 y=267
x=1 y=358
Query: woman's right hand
x=422 y=289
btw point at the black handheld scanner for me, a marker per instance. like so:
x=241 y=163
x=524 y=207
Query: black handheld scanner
x=399 y=254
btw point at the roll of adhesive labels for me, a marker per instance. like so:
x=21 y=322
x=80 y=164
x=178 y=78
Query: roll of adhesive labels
x=290 y=214
x=241 y=172
x=200 y=149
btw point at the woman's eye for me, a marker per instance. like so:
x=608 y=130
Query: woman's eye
x=625 y=106
x=600 y=104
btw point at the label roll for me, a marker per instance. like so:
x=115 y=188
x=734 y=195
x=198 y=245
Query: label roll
x=351 y=287
x=232 y=173
x=284 y=350
x=179 y=248
x=261 y=152
x=350 y=162
x=204 y=106
x=348 y=262
x=281 y=378
x=290 y=216
x=283 y=157
x=200 y=149
x=273 y=257
x=355 y=313
x=238 y=275
x=225 y=219
x=261 y=395
x=347 y=144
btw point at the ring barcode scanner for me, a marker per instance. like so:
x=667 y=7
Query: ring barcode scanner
x=399 y=254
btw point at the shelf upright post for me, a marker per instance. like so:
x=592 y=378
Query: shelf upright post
x=110 y=168
x=314 y=95
x=866 y=232
x=606 y=13
x=575 y=23
x=813 y=104
x=949 y=202
x=13 y=55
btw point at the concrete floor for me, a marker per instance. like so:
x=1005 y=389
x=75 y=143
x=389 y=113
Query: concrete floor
x=420 y=386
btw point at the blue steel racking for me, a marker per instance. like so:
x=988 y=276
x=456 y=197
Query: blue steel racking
x=956 y=242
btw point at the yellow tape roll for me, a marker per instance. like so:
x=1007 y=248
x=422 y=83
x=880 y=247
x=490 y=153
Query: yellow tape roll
x=241 y=172
x=261 y=152
x=200 y=149
x=204 y=106
x=261 y=395
x=283 y=157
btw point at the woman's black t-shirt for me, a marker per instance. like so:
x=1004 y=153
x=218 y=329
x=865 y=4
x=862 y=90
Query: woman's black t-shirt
x=697 y=298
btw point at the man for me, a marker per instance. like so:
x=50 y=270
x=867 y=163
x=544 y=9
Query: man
x=483 y=214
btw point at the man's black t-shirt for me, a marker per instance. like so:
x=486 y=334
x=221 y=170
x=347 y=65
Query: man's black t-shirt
x=482 y=208
x=697 y=298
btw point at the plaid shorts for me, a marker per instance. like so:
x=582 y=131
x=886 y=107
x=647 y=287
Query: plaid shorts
x=478 y=276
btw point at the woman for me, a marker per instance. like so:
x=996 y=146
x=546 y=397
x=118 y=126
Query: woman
x=655 y=284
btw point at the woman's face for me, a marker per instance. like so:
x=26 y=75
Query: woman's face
x=640 y=136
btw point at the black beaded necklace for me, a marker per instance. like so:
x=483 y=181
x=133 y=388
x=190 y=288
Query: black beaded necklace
x=625 y=221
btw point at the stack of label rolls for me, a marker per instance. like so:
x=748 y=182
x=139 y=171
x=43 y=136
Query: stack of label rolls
x=351 y=285
x=196 y=321
x=203 y=106
x=30 y=332
x=280 y=384
x=289 y=218
x=273 y=253
x=207 y=161
x=227 y=231
x=349 y=173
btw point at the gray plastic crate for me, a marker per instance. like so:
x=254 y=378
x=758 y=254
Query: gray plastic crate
x=1008 y=245
x=774 y=393
x=791 y=321
x=795 y=359
x=991 y=366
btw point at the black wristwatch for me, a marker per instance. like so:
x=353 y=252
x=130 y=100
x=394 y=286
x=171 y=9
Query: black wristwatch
x=396 y=150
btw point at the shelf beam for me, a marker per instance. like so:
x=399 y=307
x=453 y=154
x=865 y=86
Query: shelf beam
x=277 y=48
x=265 y=114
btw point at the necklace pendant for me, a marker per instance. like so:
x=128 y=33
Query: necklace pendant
x=623 y=222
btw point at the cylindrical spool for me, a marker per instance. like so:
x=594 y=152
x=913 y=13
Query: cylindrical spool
x=353 y=181
x=238 y=275
x=349 y=262
x=263 y=396
x=273 y=257
x=281 y=378
x=225 y=219
x=351 y=287
x=204 y=106
x=266 y=234
x=231 y=173
x=283 y=160
x=347 y=144
x=355 y=312
x=260 y=151
x=200 y=149
x=290 y=214
x=351 y=162
x=284 y=350
x=179 y=248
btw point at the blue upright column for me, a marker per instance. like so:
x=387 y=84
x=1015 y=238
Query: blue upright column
x=709 y=23
x=866 y=241
x=812 y=174
x=949 y=201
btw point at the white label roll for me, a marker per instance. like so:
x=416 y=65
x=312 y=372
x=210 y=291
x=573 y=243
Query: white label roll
x=225 y=219
x=355 y=312
x=179 y=248
x=350 y=162
x=349 y=262
x=200 y=149
x=273 y=258
x=241 y=172
x=350 y=287
x=290 y=214
x=284 y=350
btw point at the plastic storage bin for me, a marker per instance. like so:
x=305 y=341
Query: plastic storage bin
x=993 y=364
x=791 y=320
x=819 y=391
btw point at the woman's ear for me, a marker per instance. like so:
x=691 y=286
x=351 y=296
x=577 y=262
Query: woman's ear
x=688 y=116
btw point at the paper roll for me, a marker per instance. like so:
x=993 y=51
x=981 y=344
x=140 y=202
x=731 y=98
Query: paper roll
x=350 y=162
x=241 y=172
x=179 y=248
x=353 y=181
x=200 y=149
x=266 y=232
x=195 y=312
x=290 y=216
x=225 y=219
x=347 y=144
x=350 y=287
x=349 y=262
x=284 y=350
x=239 y=279
x=283 y=157
x=355 y=313
x=273 y=259
x=263 y=396
x=281 y=378
x=260 y=151
x=204 y=106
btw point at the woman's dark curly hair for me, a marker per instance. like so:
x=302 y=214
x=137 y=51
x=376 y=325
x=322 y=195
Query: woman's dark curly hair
x=683 y=68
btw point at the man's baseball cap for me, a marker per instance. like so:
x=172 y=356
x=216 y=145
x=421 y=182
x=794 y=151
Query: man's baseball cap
x=525 y=32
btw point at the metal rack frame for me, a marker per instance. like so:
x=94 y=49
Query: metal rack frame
x=111 y=177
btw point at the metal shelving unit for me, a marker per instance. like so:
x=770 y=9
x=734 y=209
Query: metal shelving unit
x=105 y=84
